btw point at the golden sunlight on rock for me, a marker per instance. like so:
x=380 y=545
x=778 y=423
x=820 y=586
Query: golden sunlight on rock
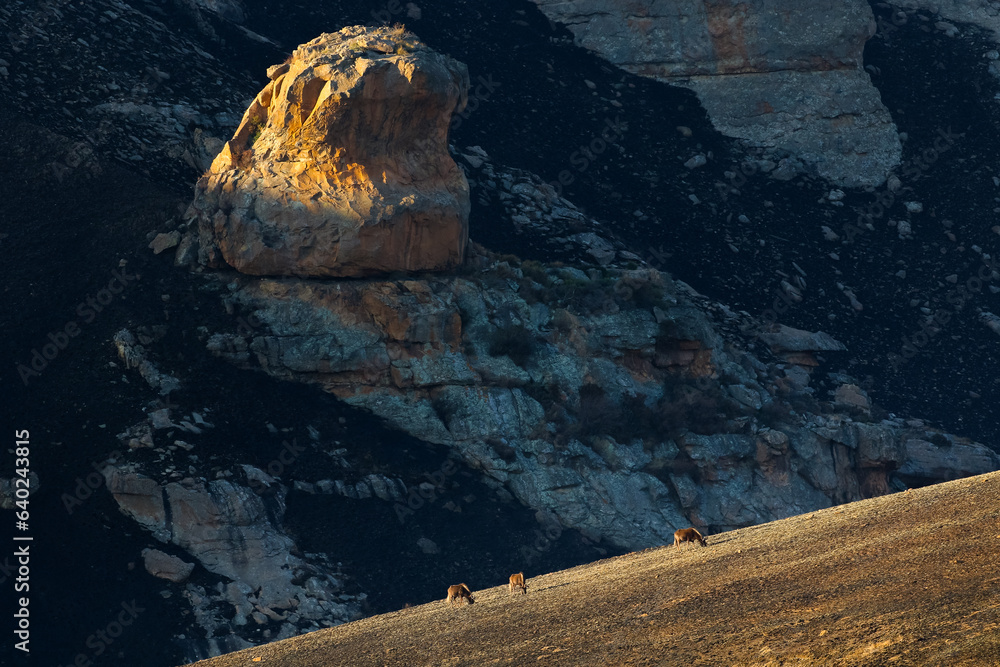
x=340 y=166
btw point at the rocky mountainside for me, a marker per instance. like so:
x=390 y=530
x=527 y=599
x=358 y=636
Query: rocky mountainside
x=786 y=81
x=603 y=395
x=611 y=399
x=276 y=418
x=905 y=579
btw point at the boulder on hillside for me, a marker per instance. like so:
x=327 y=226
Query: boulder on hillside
x=340 y=167
x=166 y=566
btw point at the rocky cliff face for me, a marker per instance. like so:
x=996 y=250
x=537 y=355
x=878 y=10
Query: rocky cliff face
x=340 y=166
x=786 y=80
x=605 y=395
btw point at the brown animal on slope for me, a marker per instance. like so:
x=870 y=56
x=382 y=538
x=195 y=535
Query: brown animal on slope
x=517 y=581
x=688 y=535
x=457 y=593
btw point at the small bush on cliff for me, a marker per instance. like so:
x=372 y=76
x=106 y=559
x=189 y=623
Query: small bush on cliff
x=535 y=270
x=699 y=409
x=600 y=415
x=939 y=440
x=513 y=341
x=563 y=320
x=256 y=128
x=647 y=296
x=776 y=413
x=503 y=450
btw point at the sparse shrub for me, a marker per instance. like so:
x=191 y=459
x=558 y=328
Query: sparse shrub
x=596 y=297
x=256 y=129
x=647 y=296
x=804 y=403
x=504 y=270
x=598 y=414
x=513 y=341
x=699 y=410
x=939 y=440
x=776 y=413
x=563 y=320
x=535 y=270
x=503 y=450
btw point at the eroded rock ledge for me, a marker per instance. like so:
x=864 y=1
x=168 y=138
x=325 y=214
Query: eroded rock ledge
x=623 y=419
x=340 y=166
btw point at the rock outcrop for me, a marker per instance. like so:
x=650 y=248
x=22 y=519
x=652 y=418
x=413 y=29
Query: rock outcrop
x=603 y=396
x=340 y=166
x=166 y=566
x=231 y=526
x=784 y=77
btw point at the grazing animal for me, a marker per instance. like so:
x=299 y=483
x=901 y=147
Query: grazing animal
x=459 y=592
x=688 y=535
x=517 y=581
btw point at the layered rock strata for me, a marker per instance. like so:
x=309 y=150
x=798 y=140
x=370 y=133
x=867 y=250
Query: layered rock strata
x=340 y=166
x=612 y=400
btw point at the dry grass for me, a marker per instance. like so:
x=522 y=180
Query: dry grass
x=906 y=579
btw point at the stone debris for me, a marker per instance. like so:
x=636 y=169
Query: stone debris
x=990 y=320
x=165 y=241
x=165 y=566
